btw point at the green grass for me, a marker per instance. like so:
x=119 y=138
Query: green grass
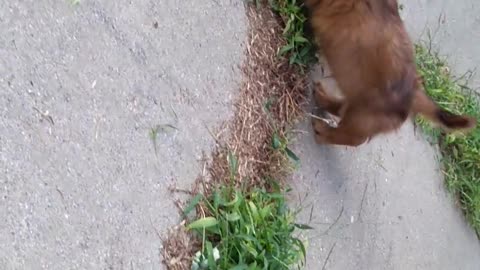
x=460 y=153
x=246 y=229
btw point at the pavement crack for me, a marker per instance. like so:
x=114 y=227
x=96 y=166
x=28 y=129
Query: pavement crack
x=311 y=214
x=363 y=200
x=335 y=222
x=328 y=256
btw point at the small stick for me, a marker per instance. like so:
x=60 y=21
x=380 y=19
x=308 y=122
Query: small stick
x=330 y=122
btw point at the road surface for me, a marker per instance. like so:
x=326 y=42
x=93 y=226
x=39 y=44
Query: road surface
x=81 y=86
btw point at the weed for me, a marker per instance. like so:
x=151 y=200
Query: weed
x=299 y=48
x=281 y=144
x=461 y=153
x=248 y=230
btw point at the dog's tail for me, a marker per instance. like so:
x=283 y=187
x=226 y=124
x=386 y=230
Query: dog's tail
x=423 y=105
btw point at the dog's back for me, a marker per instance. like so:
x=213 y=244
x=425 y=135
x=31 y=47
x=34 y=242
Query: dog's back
x=365 y=45
x=372 y=60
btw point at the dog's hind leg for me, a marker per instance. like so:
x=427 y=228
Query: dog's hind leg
x=328 y=103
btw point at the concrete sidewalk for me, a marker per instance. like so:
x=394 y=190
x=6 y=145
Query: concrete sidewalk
x=80 y=88
x=384 y=205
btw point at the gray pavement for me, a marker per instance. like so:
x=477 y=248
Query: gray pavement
x=80 y=88
x=82 y=188
x=384 y=205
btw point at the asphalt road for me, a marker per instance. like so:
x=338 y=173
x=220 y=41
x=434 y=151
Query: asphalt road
x=81 y=86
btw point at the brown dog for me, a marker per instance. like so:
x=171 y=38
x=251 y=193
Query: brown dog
x=372 y=59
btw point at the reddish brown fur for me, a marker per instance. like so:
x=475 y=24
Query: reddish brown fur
x=372 y=60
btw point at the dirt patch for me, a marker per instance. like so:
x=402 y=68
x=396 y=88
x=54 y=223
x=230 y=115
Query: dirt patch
x=178 y=248
x=269 y=102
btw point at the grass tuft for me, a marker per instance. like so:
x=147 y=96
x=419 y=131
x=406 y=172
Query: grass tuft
x=461 y=153
x=247 y=230
x=299 y=49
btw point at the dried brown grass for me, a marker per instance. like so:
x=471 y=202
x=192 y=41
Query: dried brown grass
x=267 y=79
x=178 y=248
